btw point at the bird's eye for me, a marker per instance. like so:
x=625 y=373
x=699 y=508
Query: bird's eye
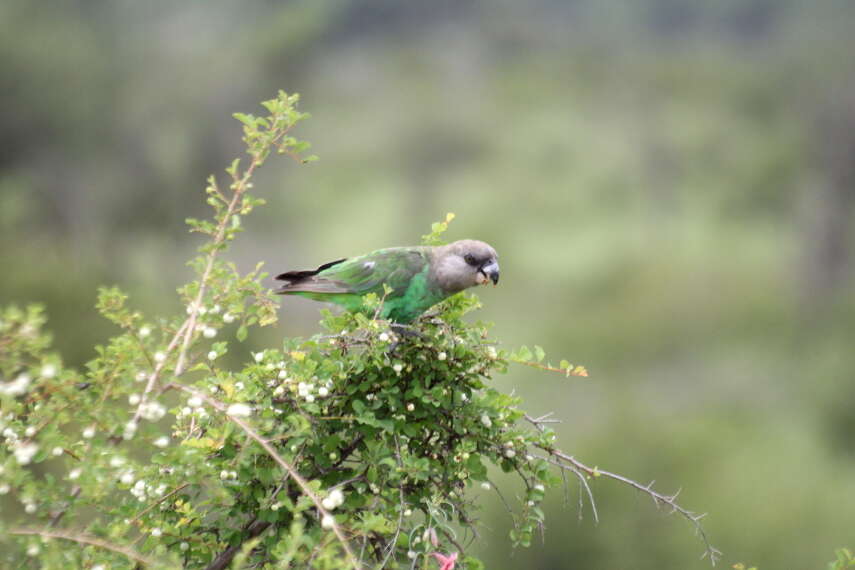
x=470 y=259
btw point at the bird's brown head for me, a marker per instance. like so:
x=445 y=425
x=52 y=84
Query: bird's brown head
x=463 y=264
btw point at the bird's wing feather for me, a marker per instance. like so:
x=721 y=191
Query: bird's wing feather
x=360 y=275
x=304 y=274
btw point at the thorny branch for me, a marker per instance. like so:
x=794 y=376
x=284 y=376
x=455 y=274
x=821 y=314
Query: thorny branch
x=570 y=463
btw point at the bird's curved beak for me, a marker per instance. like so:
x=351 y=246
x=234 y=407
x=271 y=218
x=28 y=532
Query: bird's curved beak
x=491 y=271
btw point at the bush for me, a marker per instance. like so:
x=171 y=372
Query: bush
x=356 y=448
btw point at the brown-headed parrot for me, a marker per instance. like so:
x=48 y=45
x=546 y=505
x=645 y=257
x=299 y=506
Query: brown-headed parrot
x=419 y=277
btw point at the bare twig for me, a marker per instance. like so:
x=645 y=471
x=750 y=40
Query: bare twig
x=86 y=539
x=502 y=498
x=302 y=483
x=575 y=466
x=546 y=419
x=583 y=486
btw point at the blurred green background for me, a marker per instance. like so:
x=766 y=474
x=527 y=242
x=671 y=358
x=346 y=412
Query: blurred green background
x=670 y=184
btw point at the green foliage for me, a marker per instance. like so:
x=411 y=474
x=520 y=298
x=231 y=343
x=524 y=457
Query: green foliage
x=845 y=559
x=525 y=355
x=436 y=231
x=365 y=438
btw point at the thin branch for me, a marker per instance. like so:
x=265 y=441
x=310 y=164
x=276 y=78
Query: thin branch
x=185 y=332
x=209 y=266
x=240 y=187
x=583 y=486
x=362 y=548
x=302 y=483
x=567 y=492
x=546 y=419
x=158 y=369
x=58 y=516
x=502 y=497
x=393 y=543
x=75 y=492
x=452 y=539
x=570 y=463
x=157 y=502
x=579 y=371
x=253 y=529
x=86 y=539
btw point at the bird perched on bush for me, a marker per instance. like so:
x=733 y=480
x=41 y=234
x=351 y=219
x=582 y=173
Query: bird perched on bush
x=418 y=277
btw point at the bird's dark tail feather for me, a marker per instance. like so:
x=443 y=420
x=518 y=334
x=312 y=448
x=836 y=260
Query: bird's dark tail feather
x=296 y=278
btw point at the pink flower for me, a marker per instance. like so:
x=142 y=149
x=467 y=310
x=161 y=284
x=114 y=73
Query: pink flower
x=446 y=562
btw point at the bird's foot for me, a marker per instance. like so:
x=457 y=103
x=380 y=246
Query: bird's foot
x=402 y=332
x=406 y=331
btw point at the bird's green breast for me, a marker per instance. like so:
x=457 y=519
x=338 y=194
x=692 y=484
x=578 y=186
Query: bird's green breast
x=419 y=296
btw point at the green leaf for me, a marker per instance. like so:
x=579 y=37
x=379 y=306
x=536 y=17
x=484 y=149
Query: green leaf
x=524 y=354
x=245 y=118
x=476 y=469
x=373 y=522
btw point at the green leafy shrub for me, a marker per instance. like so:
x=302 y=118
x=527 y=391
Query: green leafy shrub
x=357 y=447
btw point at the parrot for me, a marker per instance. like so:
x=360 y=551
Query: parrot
x=418 y=277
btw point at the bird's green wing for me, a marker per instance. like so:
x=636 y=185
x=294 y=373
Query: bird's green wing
x=394 y=267
x=345 y=282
